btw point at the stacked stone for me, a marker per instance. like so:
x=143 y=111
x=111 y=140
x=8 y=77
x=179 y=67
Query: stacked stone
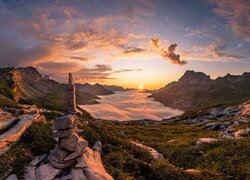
x=70 y=145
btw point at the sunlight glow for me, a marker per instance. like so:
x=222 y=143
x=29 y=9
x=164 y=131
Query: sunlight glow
x=141 y=87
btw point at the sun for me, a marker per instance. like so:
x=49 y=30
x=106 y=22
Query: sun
x=140 y=86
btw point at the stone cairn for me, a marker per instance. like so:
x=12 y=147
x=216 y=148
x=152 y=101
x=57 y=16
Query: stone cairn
x=72 y=158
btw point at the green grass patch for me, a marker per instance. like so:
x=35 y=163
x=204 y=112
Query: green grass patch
x=36 y=140
x=177 y=142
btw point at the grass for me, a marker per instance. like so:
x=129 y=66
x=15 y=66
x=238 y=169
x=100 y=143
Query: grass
x=222 y=160
x=36 y=140
x=227 y=158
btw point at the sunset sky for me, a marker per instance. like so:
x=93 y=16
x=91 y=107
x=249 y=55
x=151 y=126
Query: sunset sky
x=126 y=42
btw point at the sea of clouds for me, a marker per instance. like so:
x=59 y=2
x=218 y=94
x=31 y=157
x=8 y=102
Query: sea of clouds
x=130 y=105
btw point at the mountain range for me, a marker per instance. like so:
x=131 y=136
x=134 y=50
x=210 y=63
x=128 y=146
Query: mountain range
x=196 y=90
x=27 y=85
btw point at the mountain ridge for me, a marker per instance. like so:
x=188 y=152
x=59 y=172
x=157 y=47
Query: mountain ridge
x=27 y=85
x=196 y=90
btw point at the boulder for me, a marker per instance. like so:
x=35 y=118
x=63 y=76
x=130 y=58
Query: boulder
x=56 y=158
x=64 y=122
x=204 y=141
x=46 y=172
x=155 y=154
x=74 y=143
x=94 y=168
x=63 y=133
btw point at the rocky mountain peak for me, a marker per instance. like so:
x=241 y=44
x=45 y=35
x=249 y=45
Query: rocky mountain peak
x=191 y=76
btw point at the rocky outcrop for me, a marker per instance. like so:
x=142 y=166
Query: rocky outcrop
x=14 y=134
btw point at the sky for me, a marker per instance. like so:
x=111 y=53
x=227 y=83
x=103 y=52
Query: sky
x=126 y=42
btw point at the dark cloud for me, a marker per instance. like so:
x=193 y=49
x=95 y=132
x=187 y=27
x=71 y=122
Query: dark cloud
x=79 y=58
x=126 y=70
x=168 y=54
x=12 y=54
x=219 y=50
x=136 y=50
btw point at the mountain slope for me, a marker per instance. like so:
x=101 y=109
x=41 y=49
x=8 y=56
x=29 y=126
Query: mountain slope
x=26 y=85
x=96 y=89
x=195 y=90
x=114 y=88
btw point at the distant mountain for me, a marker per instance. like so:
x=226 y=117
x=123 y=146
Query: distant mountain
x=115 y=88
x=195 y=90
x=28 y=86
x=96 y=89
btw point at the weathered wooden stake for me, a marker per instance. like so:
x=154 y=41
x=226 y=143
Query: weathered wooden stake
x=71 y=95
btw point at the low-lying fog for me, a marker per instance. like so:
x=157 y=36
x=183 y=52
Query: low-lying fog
x=130 y=105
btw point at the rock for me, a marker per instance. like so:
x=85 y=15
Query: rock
x=77 y=174
x=155 y=154
x=81 y=163
x=72 y=156
x=94 y=168
x=97 y=146
x=4 y=115
x=62 y=164
x=57 y=156
x=244 y=120
x=203 y=141
x=63 y=133
x=242 y=132
x=11 y=177
x=74 y=143
x=37 y=160
x=46 y=172
x=192 y=171
x=16 y=131
x=246 y=110
x=30 y=173
x=64 y=122
x=7 y=123
x=13 y=111
x=217 y=125
x=225 y=134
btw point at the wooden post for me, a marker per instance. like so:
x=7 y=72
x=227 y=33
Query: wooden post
x=71 y=95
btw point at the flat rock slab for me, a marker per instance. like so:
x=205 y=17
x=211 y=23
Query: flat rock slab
x=203 y=141
x=155 y=154
x=64 y=122
x=6 y=123
x=17 y=130
x=30 y=173
x=46 y=172
x=37 y=160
